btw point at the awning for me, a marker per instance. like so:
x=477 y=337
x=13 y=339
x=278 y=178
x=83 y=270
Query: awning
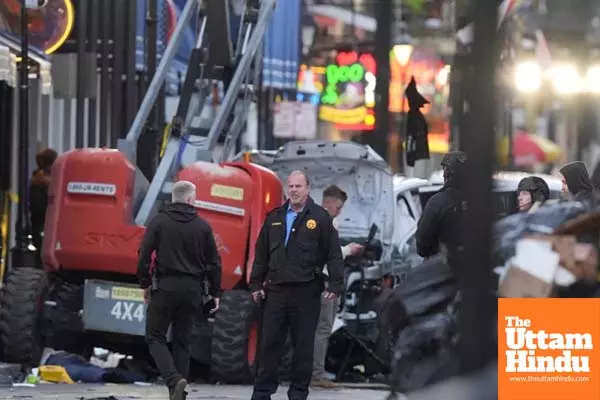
x=529 y=149
x=10 y=47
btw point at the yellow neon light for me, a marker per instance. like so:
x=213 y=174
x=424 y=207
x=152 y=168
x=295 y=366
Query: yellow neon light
x=343 y=116
x=70 y=22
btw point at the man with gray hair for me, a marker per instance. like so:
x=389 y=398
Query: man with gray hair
x=182 y=248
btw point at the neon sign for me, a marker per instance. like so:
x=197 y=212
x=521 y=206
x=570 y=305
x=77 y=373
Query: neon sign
x=348 y=96
x=310 y=79
x=49 y=27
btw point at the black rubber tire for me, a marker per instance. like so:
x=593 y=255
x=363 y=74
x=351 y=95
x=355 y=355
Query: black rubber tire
x=231 y=328
x=23 y=294
x=63 y=327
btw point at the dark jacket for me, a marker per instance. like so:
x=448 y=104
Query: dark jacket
x=439 y=223
x=38 y=199
x=313 y=242
x=185 y=248
x=578 y=180
x=441 y=220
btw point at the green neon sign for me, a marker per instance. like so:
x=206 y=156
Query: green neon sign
x=340 y=74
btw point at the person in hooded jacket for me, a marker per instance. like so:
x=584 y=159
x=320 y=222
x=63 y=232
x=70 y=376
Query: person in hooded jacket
x=38 y=198
x=576 y=182
x=185 y=257
x=531 y=190
x=439 y=227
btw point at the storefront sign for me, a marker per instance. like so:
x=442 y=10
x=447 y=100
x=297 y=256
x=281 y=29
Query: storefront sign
x=294 y=119
x=348 y=96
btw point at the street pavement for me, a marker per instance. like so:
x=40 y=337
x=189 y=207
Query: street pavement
x=195 y=392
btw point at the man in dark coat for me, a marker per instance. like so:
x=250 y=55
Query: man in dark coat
x=182 y=247
x=439 y=228
x=296 y=241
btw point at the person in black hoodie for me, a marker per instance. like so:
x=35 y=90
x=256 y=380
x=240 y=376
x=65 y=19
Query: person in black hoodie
x=186 y=256
x=439 y=228
x=577 y=183
x=38 y=198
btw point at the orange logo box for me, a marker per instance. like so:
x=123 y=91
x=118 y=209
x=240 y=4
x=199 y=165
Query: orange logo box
x=549 y=349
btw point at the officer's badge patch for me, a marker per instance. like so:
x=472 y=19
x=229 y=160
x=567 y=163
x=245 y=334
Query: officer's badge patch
x=311 y=224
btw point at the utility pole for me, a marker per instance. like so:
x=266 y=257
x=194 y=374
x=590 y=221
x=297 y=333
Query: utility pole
x=22 y=256
x=378 y=139
x=478 y=303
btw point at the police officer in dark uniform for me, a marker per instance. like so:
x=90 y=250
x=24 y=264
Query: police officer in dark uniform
x=296 y=241
x=186 y=257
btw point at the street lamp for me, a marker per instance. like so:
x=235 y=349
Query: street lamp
x=402 y=53
x=592 y=79
x=528 y=77
x=22 y=252
x=566 y=79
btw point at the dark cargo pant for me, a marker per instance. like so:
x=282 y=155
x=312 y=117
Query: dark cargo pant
x=180 y=308
x=290 y=308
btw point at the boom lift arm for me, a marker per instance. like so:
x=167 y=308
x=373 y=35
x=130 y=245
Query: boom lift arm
x=214 y=59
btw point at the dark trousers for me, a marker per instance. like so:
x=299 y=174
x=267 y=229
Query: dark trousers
x=178 y=308
x=290 y=308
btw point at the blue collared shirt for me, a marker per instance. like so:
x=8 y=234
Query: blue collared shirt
x=290 y=217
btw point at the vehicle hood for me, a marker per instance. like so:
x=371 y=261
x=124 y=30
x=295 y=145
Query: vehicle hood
x=356 y=169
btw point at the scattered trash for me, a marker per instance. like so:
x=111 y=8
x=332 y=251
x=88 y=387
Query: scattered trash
x=55 y=374
x=33 y=377
x=24 y=384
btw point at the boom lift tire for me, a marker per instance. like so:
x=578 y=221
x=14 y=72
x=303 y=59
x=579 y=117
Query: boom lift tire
x=21 y=307
x=62 y=324
x=235 y=338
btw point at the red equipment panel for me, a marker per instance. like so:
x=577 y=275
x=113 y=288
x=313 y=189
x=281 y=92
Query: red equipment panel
x=234 y=198
x=89 y=223
x=89 y=219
